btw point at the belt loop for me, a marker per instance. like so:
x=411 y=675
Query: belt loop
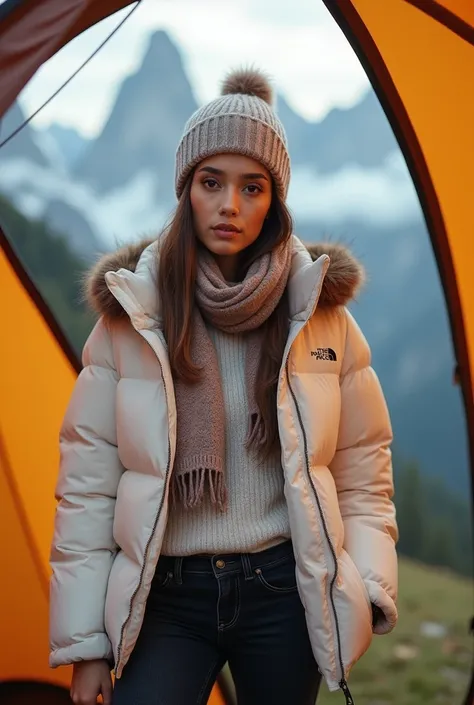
x=247 y=566
x=178 y=573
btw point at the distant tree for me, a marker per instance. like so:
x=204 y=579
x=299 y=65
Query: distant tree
x=410 y=506
x=451 y=518
x=55 y=269
x=435 y=525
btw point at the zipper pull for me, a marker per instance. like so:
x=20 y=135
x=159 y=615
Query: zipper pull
x=347 y=692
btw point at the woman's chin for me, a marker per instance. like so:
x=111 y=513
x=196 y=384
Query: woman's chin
x=223 y=247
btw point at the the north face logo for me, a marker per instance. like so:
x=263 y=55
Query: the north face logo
x=324 y=354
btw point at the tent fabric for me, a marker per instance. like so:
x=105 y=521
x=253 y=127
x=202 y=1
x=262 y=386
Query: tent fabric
x=30 y=411
x=32 y=32
x=458 y=15
x=24 y=592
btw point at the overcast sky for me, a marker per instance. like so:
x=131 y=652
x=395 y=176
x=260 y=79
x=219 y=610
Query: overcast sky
x=297 y=42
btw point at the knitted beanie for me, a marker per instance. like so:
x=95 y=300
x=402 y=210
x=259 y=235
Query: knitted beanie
x=241 y=121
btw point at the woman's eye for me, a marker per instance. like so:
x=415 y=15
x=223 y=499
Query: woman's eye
x=253 y=188
x=211 y=183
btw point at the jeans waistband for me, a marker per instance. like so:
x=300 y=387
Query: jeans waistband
x=222 y=564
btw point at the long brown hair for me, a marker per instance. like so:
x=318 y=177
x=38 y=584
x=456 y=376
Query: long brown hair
x=176 y=284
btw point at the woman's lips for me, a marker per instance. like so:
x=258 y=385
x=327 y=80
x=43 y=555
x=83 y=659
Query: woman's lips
x=225 y=234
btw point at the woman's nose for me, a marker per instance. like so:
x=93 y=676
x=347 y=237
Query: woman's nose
x=230 y=204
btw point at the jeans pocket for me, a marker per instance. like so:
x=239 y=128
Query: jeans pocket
x=280 y=577
x=161 y=579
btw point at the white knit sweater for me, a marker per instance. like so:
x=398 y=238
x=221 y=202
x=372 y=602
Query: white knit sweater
x=256 y=517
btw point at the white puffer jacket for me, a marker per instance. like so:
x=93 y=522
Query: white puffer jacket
x=117 y=451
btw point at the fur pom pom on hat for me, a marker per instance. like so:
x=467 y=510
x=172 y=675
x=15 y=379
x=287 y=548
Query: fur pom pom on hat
x=241 y=121
x=248 y=82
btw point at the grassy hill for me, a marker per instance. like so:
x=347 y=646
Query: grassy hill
x=409 y=667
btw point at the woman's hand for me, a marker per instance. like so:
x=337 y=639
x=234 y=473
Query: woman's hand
x=91 y=679
x=377 y=614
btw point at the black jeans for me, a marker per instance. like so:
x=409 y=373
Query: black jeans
x=203 y=611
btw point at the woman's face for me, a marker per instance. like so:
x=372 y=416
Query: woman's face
x=230 y=196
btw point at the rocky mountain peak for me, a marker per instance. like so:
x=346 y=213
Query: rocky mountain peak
x=146 y=122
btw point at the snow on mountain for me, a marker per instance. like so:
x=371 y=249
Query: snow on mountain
x=130 y=211
x=116 y=217
x=382 y=195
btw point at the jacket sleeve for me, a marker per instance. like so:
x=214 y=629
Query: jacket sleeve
x=362 y=470
x=83 y=547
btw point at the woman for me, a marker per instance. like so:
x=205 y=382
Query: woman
x=225 y=484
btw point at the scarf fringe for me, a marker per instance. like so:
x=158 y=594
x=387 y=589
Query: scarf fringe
x=256 y=432
x=188 y=487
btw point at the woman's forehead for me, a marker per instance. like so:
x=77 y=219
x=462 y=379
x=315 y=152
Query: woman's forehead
x=233 y=164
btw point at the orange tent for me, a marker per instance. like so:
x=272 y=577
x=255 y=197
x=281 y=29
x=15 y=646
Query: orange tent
x=419 y=55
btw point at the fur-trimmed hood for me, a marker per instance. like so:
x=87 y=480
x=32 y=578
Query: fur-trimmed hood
x=343 y=280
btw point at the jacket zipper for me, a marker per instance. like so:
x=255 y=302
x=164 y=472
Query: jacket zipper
x=342 y=683
x=150 y=539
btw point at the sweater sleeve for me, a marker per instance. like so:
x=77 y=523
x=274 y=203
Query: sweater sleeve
x=83 y=547
x=362 y=470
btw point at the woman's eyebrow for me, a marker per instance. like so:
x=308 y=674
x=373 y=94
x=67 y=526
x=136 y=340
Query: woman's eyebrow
x=254 y=176
x=219 y=172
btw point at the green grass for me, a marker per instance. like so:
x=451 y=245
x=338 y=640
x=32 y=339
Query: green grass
x=407 y=668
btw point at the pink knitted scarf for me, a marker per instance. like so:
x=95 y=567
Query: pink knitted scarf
x=232 y=308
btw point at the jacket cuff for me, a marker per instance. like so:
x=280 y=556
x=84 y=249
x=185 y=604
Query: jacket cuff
x=94 y=647
x=388 y=615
